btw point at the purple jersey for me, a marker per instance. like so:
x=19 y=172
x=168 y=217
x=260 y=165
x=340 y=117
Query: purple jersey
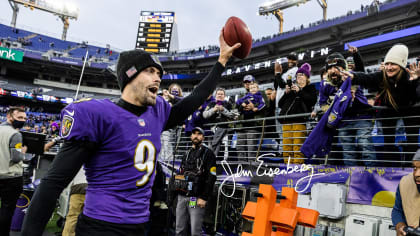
x=120 y=174
x=325 y=91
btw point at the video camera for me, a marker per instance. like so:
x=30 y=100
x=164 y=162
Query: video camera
x=187 y=183
x=412 y=231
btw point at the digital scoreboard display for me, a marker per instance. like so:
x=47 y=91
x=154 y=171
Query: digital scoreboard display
x=155 y=31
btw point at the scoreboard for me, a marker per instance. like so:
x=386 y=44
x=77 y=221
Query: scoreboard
x=155 y=31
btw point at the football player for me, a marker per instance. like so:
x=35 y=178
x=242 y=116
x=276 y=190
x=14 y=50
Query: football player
x=118 y=143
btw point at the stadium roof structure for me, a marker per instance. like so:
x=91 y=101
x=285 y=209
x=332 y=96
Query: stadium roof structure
x=275 y=8
x=63 y=9
x=270 y=6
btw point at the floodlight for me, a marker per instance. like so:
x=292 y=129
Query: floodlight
x=71 y=8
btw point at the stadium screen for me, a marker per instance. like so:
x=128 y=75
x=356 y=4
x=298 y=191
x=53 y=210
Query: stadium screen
x=155 y=31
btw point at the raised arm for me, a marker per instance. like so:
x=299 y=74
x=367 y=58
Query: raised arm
x=198 y=96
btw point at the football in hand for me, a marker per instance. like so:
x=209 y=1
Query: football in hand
x=236 y=31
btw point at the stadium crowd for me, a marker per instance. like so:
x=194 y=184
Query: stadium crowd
x=347 y=116
x=291 y=99
x=37 y=122
x=352 y=115
x=369 y=9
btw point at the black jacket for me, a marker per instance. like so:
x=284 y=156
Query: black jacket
x=404 y=91
x=296 y=103
x=358 y=62
x=203 y=161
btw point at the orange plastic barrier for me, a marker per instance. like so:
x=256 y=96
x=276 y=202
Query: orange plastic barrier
x=283 y=216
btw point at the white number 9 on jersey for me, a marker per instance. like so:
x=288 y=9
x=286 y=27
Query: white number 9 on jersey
x=144 y=160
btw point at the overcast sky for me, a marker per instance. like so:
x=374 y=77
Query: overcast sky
x=199 y=22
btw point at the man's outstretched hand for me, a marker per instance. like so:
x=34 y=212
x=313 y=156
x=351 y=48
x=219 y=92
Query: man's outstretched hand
x=225 y=50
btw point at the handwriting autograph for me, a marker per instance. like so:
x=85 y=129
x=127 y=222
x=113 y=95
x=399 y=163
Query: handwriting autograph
x=260 y=171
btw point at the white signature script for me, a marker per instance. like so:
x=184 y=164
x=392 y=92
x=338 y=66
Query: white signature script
x=241 y=172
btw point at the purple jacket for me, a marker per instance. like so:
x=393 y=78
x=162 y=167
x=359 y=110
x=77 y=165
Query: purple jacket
x=256 y=99
x=319 y=141
x=196 y=119
x=325 y=91
x=357 y=107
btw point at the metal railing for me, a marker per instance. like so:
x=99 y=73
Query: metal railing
x=265 y=136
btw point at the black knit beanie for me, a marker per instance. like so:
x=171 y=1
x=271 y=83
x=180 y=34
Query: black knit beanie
x=335 y=59
x=131 y=63
x=416 y=156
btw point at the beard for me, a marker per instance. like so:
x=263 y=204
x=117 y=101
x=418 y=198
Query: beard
x=291 y=64
x=144 y=96
x=196 y=142
x=150 y=101
x=337 y=80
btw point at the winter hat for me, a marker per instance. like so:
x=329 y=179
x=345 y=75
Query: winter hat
x=198 y=129
x=131 y=63
x=292 y=56
x=335 y=59
x=350 y=60
x=249 y=78
x=398 y=54
x=54 y=124
x=417 y=156
x=305 y=69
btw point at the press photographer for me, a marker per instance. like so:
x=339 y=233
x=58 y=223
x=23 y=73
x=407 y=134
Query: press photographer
x=194 y=184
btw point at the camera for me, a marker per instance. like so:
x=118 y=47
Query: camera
x=412 y=231
x=289 y=82
x=187 y=183
x=179 y=183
